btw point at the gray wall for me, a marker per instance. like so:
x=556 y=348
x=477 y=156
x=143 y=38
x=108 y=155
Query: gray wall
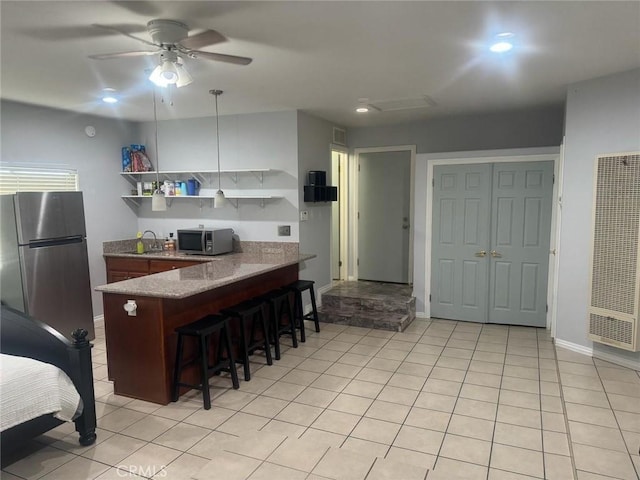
x=314 y=153
x=603 y=116
x=259 y=141
x=36 y=136
x=514 y=129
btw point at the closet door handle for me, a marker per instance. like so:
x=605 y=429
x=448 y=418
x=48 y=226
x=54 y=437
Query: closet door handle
x=481 y=253
x=495 y=254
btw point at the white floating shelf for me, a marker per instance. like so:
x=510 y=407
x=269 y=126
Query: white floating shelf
x=137 y=198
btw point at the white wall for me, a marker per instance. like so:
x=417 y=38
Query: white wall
x=41 y=136
x=314 y=153
x=262 y=140
x=539 y=127
x=603 y=116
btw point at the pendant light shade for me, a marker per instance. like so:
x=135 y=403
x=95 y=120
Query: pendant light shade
x=158 y=202
x=218 y=200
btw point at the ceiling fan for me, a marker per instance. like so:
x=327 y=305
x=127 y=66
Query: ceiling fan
x=172 y=42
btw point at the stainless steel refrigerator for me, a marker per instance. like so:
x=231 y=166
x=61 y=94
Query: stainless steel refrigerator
x=43 y=255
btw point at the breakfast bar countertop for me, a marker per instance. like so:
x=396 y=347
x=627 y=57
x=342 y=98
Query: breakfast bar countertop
x=214 y=272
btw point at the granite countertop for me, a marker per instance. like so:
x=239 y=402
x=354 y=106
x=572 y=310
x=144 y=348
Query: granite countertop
x=161 y=254
x=214 y=272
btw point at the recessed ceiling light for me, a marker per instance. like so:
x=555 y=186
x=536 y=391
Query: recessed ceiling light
x=363 y=105
x=502 y=43
x=109 y=95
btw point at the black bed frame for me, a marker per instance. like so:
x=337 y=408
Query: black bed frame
x=27 y=337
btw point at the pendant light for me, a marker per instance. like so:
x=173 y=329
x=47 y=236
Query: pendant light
x=218 y=200
x=158 y=201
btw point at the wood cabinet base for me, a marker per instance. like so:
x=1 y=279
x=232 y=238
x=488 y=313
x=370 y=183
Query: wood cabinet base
x=141 y=349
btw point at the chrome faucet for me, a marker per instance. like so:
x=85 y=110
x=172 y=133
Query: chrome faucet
x=156 y=245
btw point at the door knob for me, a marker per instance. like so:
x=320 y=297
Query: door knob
x=495 y=254
x=481 y=253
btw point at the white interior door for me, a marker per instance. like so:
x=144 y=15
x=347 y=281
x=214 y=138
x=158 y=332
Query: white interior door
x=339 y=216
x=521 y=230
x=460 y=239
x=490 y=242
x=384 y=210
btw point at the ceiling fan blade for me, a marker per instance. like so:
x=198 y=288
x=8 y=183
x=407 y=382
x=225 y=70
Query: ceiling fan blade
x=220 y=57
x=107 y=56
x=146 y=8
x=199 y=40
x=122 y=32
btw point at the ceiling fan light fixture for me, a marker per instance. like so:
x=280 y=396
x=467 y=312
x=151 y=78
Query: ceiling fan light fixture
x=157 y=78
x=169 y=72
x=184 y=78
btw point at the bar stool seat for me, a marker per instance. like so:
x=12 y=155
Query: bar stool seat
x=251 y=317
x=297 y=288
x=203 y=329
x=281 y=317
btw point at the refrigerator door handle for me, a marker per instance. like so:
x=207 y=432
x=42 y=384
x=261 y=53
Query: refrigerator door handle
x=54 y=242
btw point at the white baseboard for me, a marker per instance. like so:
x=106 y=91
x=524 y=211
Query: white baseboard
x=607 y=357
x=322 y=290
x=421 y=315
x=98 y=321
x=574 y=347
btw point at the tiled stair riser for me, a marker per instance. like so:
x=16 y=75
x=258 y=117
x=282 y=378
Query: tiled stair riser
x=347 y=304
x=369 y=304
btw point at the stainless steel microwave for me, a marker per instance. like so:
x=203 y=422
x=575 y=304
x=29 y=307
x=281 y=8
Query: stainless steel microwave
x=205 y=241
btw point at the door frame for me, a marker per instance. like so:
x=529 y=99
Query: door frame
x=520 y=155
x=342 y=182
x=354 y=201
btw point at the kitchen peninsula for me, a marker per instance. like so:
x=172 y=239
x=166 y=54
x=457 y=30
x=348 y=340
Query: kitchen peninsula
x=141 y=347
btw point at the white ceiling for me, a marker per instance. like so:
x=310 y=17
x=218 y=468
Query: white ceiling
x=320 y=57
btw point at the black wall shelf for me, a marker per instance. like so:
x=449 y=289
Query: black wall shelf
x=320 y=193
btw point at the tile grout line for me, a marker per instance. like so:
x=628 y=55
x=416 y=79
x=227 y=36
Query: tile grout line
x=633 y=465
x=495 y=420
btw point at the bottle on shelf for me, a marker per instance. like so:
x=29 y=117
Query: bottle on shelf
x=139 y=244
x=166 y=244
x=172 y=243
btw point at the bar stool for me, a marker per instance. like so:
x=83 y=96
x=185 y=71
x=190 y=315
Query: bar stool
x=251 y=318
x=203 y=329
x=280 y=308
x=297 y=288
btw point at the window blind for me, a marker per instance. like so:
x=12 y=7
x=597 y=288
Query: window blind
x=25 y=179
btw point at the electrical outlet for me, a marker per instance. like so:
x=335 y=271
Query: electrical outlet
x=284 y=230
x=304 y=215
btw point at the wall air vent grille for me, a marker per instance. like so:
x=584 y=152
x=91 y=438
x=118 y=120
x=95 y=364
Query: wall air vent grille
x=339 y=136
x=615 y=269
x=608 y=328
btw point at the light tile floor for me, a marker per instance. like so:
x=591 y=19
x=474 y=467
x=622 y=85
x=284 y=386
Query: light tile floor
x=442 y=400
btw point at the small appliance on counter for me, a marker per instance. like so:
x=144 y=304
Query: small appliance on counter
x=205 y=241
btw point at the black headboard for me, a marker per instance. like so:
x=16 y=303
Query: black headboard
x=27 y=337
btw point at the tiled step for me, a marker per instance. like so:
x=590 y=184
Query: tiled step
x=369 y=304
x=380 y=320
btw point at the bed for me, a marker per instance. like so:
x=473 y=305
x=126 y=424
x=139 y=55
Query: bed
x=22 y=336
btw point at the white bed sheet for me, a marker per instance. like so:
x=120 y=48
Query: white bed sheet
x=29 y=389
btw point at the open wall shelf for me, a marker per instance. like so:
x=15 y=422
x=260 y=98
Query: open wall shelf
x=203 y=176
x=204 y=199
